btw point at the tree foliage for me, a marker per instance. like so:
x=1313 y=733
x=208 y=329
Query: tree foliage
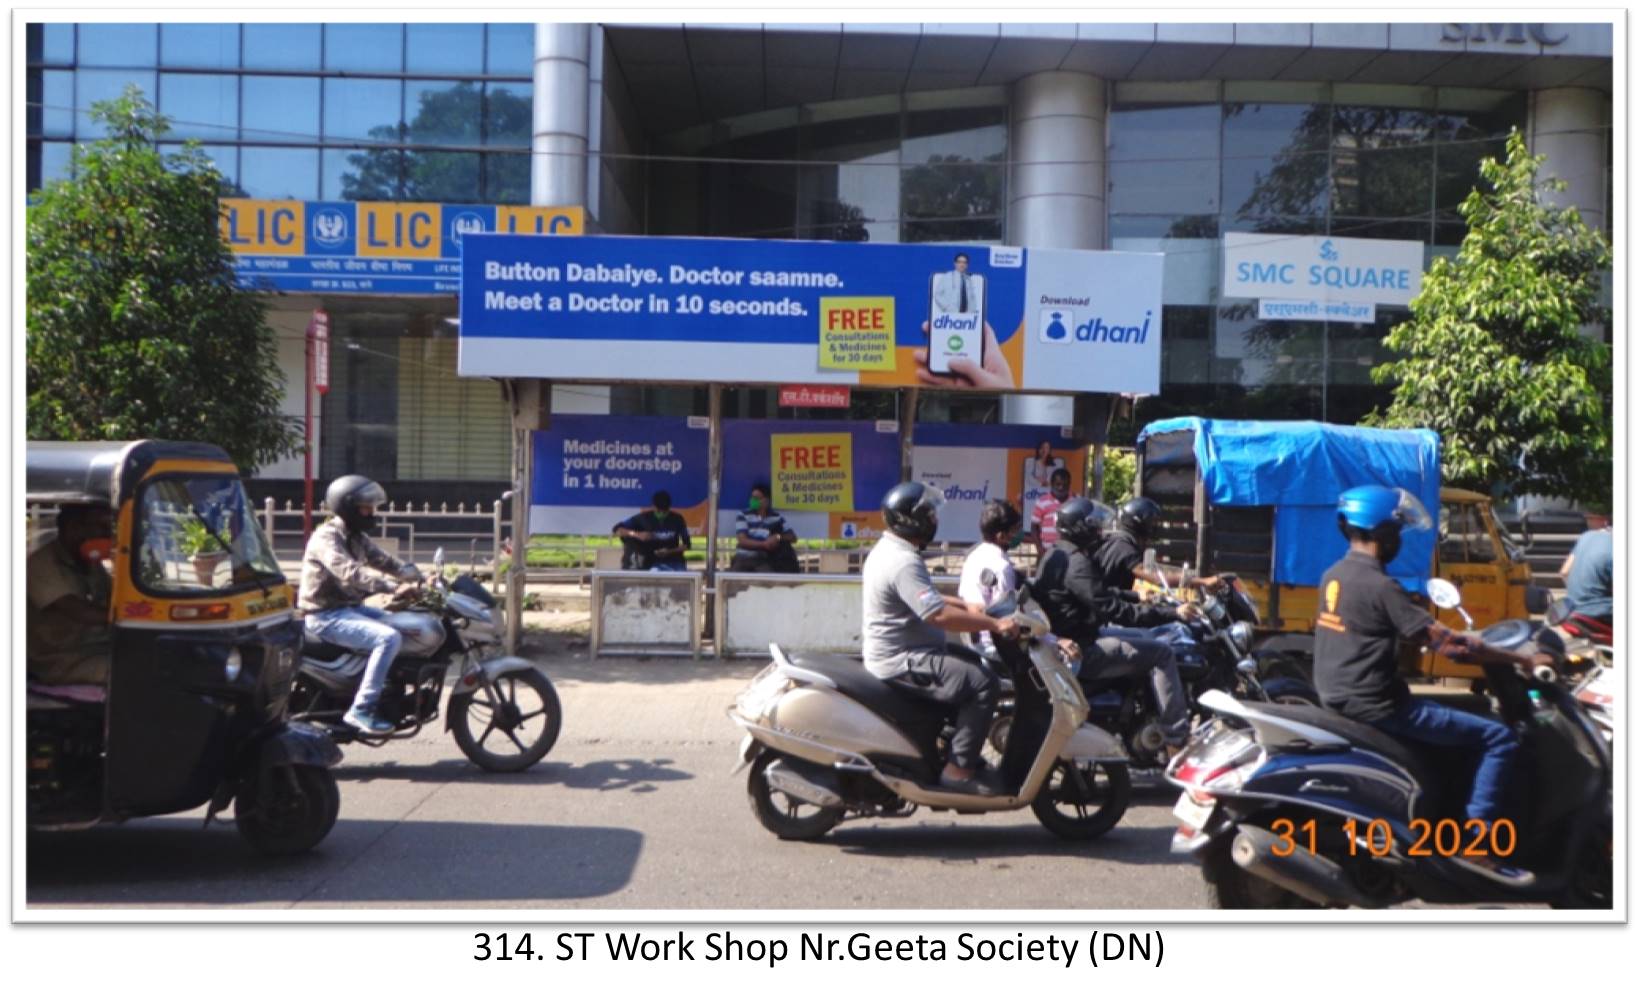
x=449 y=116
x=136 y=327
x=1494 y=358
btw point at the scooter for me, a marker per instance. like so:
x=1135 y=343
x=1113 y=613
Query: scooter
x=443 y=623
x=828 y=741
x=1295 y=806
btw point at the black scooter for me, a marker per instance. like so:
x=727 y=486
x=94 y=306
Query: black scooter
x=1297 y=806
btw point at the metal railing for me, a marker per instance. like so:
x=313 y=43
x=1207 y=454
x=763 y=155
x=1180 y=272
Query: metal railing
x=471 y=534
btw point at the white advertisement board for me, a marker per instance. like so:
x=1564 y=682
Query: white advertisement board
x=1321 y=268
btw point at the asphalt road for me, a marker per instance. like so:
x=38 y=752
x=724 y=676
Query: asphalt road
x=634 y=809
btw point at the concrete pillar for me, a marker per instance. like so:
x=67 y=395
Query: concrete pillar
x=1057 y=192
x=1571 y=127
x=562 y=84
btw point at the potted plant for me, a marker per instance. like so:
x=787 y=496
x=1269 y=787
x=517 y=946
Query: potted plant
x=203 y=549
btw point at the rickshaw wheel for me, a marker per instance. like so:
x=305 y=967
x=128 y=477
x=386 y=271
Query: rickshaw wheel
x=277 y=817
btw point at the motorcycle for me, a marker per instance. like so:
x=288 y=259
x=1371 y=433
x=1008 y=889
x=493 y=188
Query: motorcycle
x=442 y=623
x=1295 y=806
x=1212 y=652
x=1589 y=664
x=827 y=741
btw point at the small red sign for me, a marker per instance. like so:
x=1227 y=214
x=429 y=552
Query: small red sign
x=138 y=610
x=804 y=396
x=318 y=329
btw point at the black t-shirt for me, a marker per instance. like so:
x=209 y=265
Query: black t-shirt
x=1119 y=558
x=1079 y=600
x=1363 y=616
x=668 y=530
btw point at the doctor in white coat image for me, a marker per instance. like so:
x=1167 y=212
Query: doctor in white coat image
x=957 y=291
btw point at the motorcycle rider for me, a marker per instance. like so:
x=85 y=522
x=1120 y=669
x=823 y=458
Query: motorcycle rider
x=1081 y=601
x=905 y=620
x=1363 y=615
x=340 y=568
x=1121 y=554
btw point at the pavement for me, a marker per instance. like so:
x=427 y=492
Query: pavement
x=633 y=809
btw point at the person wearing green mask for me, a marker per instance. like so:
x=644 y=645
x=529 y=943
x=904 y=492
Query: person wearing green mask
x=764 y=537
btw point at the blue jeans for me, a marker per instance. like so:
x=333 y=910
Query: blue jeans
x=668 y=566
x=1439 y=725
x=360 y=628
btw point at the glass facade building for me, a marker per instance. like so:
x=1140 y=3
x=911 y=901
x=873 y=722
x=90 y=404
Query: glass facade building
x=909 y=133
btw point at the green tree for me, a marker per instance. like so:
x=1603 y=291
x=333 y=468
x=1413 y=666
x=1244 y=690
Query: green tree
x=1494 y=358
x=136 y=326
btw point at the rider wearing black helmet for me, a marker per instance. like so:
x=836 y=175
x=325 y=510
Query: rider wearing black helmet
x=340 y=568
x=1080 y=601
x=1121 y=554
x=905 y=620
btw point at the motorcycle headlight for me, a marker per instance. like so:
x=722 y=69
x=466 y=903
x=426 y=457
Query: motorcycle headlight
x=233 y=665
x=1240 y=633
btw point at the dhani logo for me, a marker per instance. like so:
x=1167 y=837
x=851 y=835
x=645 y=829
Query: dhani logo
x=956 y=323
x=1096 y=330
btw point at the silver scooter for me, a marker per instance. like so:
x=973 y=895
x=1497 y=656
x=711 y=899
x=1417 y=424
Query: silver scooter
x=828 y=741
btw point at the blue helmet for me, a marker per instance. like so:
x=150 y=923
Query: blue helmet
x=1372 y=506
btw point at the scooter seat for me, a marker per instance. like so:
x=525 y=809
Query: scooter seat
x=911 y=714
x=1362 y=734
x=43 y=696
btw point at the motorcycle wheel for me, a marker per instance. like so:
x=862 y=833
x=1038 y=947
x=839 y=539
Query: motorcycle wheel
x=1230 y=887
x=785 y=817
x=509 y=719
x=282 y=816
x=1592 y=883
x=1076 y=804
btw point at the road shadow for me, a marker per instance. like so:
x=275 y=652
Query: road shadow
x=623 y=774
x=169 y=861
x=647 y=670
x=973 y=842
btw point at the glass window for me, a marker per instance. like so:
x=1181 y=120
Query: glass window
x=281 y=109
x=58 y=44
x=512 y=50
x=364 y=48
x=858 y=199
x=447 y=177
x=35 y=94
x=200 y=105
x=959 y=134
x=509 y=108
x=1187 y=358
x=1472 y=126
x=119 y=44
x=950 y=194
x=1193 y=261
x=506 y=179
x=224 y=157
x=97 y=85
x=1163 y=159
x=969 y=230
x=1253 y=352
x=363 y=175
x=55 y=160
x=1274 y=160
x=1382 y=163
x=200 y=533
x=362 y=109
x=273 y=173
x=441 y=113
x=58 y=97
x=282 y=46
x=199 y=46
x=456 y=49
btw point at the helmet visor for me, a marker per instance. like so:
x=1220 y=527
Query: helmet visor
x=932 y=499
x=1411 y=513
x=1100 y=516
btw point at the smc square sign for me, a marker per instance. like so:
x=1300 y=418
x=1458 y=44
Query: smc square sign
x=1321 y=268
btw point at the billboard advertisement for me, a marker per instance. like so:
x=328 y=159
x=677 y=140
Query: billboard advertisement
x=991 y=318
x=974 y=463
x=364 y=247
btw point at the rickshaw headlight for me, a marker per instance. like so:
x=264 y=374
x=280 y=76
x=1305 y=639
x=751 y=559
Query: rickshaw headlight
x=234 y=664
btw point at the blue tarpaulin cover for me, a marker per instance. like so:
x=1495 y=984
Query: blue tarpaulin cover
x=1300 y=468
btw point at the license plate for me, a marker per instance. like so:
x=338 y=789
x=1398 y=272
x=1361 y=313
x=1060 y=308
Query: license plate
x=1191 y=813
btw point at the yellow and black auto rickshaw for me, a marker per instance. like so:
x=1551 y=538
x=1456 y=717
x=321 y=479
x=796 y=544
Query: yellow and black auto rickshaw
x=200 y=644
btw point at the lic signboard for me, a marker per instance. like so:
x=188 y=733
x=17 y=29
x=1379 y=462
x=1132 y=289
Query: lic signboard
x=356 y=247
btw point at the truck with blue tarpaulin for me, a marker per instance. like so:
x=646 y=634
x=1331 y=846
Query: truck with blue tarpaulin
x=1257 y=499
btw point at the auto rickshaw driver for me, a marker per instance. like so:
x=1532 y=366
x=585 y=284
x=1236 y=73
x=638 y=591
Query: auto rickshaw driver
x=69 y=637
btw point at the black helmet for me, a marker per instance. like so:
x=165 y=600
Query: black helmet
x=1082 y=521
x=1139 y=517
x=911 y=511
x=344 y=496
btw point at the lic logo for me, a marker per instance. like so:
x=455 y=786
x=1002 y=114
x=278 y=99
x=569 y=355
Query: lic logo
x=466 y=223
x=329 y=227
x=1057 y=325
x=1328 y=252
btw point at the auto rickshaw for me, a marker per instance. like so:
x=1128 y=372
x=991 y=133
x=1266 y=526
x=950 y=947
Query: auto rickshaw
x=202 y=645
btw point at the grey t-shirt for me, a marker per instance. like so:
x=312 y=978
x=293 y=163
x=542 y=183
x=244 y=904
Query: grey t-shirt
x=898 y=597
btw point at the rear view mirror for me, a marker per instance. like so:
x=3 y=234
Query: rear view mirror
x=1149 y=557
x=1444 y=594
x=438 y=558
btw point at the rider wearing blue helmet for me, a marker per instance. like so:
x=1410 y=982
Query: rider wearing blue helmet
x=1363 y=615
